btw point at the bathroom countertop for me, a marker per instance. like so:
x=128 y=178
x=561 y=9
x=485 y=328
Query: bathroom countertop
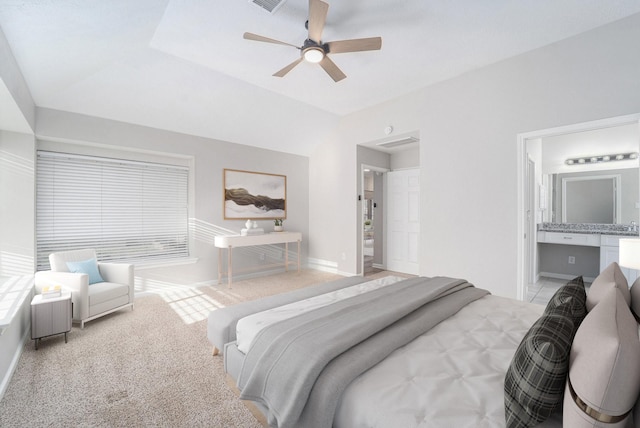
x=589 y=228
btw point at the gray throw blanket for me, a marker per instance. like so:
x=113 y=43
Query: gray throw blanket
x=298 y=368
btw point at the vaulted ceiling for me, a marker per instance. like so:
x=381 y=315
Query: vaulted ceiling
x=184 y=66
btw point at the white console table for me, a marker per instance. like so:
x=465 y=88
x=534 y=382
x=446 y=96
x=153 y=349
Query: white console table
x=232 y=241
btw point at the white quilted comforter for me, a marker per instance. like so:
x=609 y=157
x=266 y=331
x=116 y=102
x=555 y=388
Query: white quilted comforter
x=249 y=326
x=452 y=376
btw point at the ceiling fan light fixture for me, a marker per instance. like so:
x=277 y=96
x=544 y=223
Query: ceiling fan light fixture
x=313 y=50
x=313 y=54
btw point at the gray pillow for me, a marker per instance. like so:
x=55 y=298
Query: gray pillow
x=611 y=277
x=604 y=373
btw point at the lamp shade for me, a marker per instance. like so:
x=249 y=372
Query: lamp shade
x=630 y=253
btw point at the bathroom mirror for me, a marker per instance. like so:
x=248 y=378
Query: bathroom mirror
x=591 y=199
x=604 y=197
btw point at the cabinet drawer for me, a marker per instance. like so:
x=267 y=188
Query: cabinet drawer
x=584 y=239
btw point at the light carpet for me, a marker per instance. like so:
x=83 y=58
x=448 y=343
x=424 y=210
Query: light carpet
x=148 y=367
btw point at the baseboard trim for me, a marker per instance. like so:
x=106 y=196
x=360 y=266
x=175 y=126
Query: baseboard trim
x=322 y=265
x=4 y=385
x=564 y=276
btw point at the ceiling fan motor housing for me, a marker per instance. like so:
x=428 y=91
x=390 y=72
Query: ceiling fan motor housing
x=312 y=44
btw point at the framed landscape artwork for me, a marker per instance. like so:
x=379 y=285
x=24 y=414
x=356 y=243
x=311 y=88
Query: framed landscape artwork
x=254 y=195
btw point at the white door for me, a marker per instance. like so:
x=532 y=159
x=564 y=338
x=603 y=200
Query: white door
x=403 y=221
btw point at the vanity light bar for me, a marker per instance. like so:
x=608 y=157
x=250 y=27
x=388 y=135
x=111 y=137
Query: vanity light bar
x=603 y=158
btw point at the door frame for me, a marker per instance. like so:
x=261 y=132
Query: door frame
x=521 y=263
x=531 y=219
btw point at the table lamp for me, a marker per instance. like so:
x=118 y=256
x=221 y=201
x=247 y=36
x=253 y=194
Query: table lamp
x=629 y=253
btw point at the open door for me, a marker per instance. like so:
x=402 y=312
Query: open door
x=403 y=221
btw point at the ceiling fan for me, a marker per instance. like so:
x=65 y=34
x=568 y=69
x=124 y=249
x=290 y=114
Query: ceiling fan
x=314 y=51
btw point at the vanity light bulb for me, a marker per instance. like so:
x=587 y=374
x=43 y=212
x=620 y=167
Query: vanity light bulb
x=594 y=160
x=606 y=158
x=569 y=161
x=619 y=157
x=633 y=156
x=580 y=160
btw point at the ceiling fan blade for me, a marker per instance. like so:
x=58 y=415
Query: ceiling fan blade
x=288 y=68
x=332 y=69
x=251 y=36
x=317 y=17
x=355 y=45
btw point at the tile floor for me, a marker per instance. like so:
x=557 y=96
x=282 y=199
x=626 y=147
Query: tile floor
x=543 y=290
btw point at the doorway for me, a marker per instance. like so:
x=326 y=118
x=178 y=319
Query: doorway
x=535 y=197
x=377 y=161
x=373 y=220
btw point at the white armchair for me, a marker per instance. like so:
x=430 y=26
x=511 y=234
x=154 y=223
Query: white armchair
x=95 y=300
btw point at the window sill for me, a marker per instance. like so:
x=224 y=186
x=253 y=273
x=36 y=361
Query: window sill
x=165 y=263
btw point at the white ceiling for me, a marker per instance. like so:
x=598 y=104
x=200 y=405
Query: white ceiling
x=183 y=65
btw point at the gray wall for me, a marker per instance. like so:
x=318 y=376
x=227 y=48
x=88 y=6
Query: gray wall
x=554 y=259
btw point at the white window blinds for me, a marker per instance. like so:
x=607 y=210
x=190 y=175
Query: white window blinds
x=125 y=210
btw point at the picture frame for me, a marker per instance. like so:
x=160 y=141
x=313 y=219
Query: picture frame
x=249 y=195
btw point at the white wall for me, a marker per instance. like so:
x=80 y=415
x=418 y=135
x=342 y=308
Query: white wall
x=406 y=159
x=17 y=109
x=468 y=150
x=209 y=158
x=17 y=122
x=17 y=158
x=16 y=245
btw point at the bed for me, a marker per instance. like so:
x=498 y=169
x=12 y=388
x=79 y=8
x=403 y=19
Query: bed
x=455 y=368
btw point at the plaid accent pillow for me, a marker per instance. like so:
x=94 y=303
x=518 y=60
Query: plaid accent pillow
x=535 y=380
x=570 y=300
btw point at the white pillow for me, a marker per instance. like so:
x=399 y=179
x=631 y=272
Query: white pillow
x=604 y=365
x=611 y=277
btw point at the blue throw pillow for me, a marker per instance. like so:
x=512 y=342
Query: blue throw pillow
x=90 y=267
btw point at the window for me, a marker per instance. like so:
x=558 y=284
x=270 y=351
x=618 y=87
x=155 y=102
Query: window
x=126 y=210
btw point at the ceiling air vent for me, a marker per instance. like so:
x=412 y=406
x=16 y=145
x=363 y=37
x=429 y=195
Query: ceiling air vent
x=397 y=143
x=270 y=6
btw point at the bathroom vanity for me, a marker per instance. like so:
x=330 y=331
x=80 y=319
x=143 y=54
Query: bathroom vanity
x=581 y=248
